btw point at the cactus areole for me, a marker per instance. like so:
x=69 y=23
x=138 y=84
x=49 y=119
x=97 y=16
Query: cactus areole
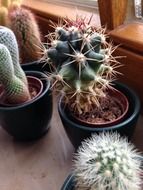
x=84 y=71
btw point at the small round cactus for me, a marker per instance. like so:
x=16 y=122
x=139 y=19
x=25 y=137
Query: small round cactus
x=83 y=62
x=107 y=162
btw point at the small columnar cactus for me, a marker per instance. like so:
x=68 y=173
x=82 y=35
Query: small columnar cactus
x=25 y=27
x=107 y=162
x=8 y=38
x=83 y=64
x=12 y=77
x=15 y=90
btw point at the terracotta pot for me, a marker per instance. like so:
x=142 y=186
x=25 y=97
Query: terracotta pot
x=77 y=131
x=31 y=120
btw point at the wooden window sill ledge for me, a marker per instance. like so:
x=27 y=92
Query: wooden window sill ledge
x=54 y=12
x=130 y=36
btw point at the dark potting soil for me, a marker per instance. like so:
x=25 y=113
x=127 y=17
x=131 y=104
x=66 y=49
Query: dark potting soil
x=33 y=92
x=109 y=110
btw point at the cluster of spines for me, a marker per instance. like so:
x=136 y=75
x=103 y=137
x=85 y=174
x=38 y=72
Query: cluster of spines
x=84 y=64
x=107 y=161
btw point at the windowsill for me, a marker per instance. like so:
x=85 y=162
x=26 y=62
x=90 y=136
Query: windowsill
x=53 y=11
x=129 y=36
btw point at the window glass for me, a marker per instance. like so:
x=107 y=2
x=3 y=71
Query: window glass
x=134 y=11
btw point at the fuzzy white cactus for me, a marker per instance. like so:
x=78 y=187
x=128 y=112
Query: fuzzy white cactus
x=107 y=162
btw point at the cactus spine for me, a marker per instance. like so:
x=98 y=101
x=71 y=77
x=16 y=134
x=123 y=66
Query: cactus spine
x=12 y=76
x=27 y=33
x=107 y=162
x=84 y=64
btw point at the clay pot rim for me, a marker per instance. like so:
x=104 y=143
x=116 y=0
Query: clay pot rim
x=109 y=123
x=36 y=98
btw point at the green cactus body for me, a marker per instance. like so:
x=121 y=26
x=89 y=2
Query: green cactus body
x=3 y=16
x=27 y=33
x=84 y=52
x=7 y=38
x=15 y=90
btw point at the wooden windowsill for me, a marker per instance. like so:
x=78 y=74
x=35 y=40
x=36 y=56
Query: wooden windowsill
x=130 y=36
x=54 y=12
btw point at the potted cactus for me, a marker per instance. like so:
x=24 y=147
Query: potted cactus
x=84 y=70
x=106 y=162
x=27 y=32
x=25 y=99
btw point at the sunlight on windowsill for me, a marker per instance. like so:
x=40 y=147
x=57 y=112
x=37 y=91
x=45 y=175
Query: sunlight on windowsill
x=53 y=11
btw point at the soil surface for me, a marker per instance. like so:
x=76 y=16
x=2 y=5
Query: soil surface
x=33 y=92
x=110 y=109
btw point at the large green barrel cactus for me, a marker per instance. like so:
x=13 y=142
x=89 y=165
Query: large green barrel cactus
x=12 y=78
x=84 y=64
x=27 y=33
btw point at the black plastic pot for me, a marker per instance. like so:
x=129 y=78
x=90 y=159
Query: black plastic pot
x=78 y=132
x=36 y=66
x=30 y=120
x=69 y=183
